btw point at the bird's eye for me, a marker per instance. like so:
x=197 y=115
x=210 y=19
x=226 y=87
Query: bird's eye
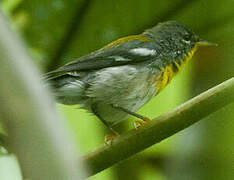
x=187 y=37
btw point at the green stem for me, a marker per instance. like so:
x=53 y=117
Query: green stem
x=35 y=134
x=161 y=127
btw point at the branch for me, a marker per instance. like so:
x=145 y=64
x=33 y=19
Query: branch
x=161 y=127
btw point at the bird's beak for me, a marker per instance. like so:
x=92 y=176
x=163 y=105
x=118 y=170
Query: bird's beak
x=206 y=43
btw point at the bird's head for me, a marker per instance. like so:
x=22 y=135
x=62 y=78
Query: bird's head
x=175 y=39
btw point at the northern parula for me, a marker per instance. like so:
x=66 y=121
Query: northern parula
x=118 y=79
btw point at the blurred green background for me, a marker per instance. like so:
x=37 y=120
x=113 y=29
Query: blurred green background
x=58 y=31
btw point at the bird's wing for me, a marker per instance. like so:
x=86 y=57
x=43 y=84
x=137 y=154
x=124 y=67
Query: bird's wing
x=135 y=49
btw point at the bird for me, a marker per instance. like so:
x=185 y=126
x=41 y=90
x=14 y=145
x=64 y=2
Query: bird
x=117 y=80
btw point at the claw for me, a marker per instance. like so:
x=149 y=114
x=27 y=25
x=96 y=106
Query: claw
x=138 y=124
x=146 y=120
x=110 y=138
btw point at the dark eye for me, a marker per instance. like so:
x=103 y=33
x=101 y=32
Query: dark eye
x=187 y=37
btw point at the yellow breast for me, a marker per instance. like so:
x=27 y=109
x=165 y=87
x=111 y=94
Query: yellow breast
x=165 y=78
x=171 y=70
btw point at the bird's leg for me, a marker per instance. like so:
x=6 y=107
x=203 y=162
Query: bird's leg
x=108 y=138
x=137 y=124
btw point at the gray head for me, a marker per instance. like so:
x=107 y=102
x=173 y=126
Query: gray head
x=175 y=40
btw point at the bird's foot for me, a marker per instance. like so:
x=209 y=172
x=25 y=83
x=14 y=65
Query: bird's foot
x=138 y=124
x=110 y=138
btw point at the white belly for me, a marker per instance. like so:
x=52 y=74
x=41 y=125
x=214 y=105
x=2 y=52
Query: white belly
x=129 y=87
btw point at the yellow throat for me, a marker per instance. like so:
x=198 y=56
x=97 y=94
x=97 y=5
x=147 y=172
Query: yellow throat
x=168 y=72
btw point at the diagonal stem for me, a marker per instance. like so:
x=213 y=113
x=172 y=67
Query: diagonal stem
x=69 y=35
x=161 y=127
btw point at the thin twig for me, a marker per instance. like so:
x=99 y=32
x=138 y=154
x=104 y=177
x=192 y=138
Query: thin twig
x=69 y=35
x=161 y=127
